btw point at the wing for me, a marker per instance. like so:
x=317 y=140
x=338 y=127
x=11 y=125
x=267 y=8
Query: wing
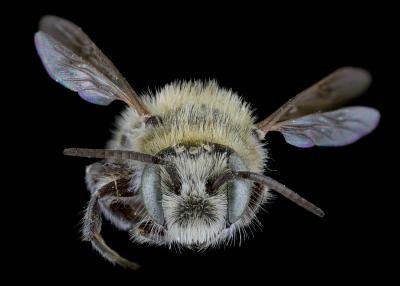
x=336 y=128
x=72 y=59
x=332 y=91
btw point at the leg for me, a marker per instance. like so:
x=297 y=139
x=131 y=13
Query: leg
x=119 y=202
x=91 y=232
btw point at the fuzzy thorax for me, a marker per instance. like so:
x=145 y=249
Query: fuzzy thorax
x=193 y=112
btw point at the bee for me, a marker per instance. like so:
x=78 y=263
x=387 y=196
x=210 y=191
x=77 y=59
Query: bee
x=185 y=166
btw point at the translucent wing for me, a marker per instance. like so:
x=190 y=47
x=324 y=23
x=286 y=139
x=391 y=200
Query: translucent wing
x=336 y=128
x=72 y=59
x=332 y=91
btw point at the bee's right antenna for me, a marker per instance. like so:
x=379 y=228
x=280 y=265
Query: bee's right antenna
x=114 y=155
x=122 y=155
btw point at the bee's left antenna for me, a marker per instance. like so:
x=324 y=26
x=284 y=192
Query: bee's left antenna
x=230 y=175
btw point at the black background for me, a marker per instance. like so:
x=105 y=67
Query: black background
x=266 y=56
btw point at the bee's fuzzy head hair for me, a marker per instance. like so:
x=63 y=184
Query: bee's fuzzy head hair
x=196 y=215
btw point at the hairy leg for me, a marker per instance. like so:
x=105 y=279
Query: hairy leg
x=91 y=232
x=112 y=196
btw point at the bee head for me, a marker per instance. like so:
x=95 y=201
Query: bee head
x=185 y=203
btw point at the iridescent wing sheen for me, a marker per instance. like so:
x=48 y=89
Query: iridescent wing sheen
x=73 y=60
x=335 y=128
x=334 y=90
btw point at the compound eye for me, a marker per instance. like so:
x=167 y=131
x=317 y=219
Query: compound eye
x=151 y=192
x=239 y=191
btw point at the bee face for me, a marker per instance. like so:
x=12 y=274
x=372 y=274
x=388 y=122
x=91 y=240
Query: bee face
x=195 y=219
x=195 y=214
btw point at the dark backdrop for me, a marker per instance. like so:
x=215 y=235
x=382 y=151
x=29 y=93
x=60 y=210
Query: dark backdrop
x=264 y=57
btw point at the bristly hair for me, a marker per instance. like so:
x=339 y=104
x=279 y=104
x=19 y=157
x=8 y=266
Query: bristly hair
x=193 y=112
